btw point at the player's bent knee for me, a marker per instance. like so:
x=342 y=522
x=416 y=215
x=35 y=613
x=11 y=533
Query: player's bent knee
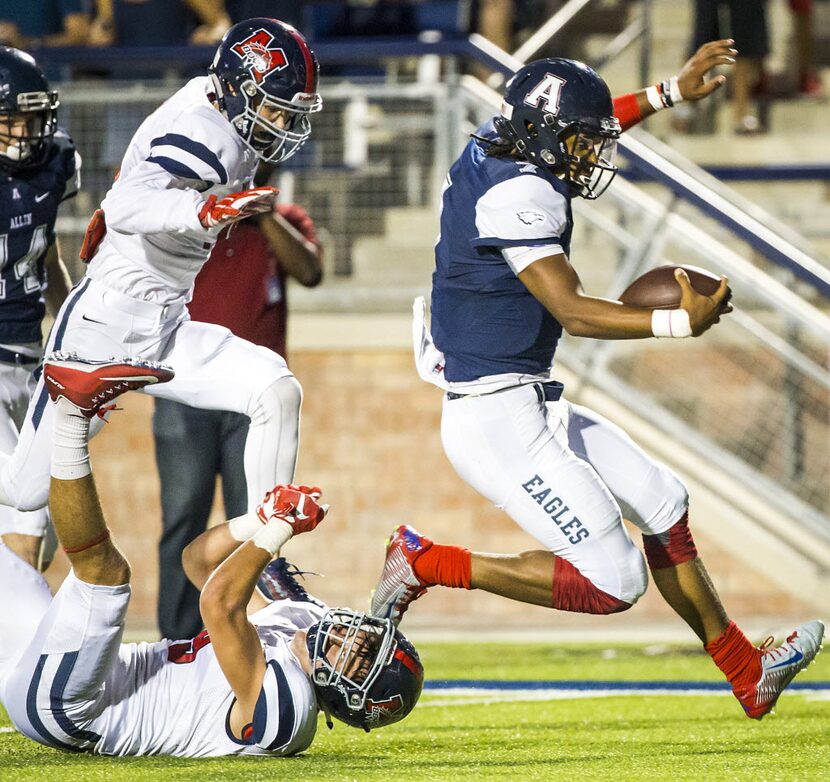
x=672 y=547
x=633 y=576
x=572 y=591
x=283 y=397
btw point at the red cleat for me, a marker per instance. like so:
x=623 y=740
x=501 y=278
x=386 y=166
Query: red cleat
x=93 y=385
x=398 y=585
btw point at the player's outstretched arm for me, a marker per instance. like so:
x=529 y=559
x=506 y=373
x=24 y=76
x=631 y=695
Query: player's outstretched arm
x=690 y=84
x=555 y=283
x=205 y=553
x=226 y=594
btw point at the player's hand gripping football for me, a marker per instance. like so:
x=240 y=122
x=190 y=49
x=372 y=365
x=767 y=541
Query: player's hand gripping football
x=236 y=206
x=691 y=79
x=297 y=505
x=704 y=311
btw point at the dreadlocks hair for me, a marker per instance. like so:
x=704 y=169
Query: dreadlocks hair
x=498 y=147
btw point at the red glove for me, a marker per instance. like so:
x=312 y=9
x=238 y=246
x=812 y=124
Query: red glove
x=296 y=505
x=236 y=206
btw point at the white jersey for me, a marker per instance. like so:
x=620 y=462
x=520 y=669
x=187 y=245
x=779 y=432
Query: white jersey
x=171 y=698
x=183 y=152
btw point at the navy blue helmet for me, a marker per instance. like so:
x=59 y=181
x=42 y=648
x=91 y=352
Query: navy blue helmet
x=265 y=79
x=364 y=671
x=28 y=112
x=558 y=114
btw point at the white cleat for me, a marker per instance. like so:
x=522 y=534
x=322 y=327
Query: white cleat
x=779 y=666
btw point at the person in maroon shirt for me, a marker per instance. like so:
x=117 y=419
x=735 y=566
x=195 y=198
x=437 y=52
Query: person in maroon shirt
x=241 y=287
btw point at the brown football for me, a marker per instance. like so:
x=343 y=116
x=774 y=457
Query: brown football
x=657 y=289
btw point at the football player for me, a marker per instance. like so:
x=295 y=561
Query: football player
x=503 y=291
x=186 y=176
x=251 y=683
x=39 y=168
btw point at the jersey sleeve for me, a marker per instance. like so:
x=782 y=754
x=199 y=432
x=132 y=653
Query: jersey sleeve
x=151 y=201
x=163 y=192
x=70 y=163
x=281 y=708
x=524 y=211
x=187 y=158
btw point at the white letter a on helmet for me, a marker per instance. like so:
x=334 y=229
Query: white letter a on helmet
x=546 y=94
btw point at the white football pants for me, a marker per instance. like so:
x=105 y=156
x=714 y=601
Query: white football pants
x=16 y=386
x=57 y=654
x=214 y=370
x=566 y=476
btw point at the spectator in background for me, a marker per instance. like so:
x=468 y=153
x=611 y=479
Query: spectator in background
x=241 y=287
x=289 y=11
x=137 y=23
x=494 y=20
x=748 y=28
x=30 y=24
x=158 y=22
x=808 y=82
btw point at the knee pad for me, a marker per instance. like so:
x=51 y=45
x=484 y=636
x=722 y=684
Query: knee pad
x=572 y=591
x=284 y=395
x=672 y=547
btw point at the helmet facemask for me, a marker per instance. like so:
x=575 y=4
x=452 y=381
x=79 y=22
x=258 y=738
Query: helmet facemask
x=272 y=128
x=589 y=151
x=348 y=653
x=581 y=152
x=38 y=110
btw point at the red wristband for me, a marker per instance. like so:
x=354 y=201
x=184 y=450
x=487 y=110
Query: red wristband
x=627 y=110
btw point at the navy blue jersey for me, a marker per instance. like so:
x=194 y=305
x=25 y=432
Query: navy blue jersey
x=484 y=320
x=28 y=208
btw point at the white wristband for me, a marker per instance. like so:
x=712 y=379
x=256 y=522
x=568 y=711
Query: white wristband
x=244 y=527
x=671 y=323
x=653 y=95
x=674 y=91
x=273 y=536
x=665 y=94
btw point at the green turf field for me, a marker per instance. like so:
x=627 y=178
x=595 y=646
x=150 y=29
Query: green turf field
x=464 y=737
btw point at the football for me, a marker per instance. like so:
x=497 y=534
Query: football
x=657 y=288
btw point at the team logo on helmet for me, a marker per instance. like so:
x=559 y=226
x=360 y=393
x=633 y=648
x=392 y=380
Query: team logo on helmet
x=257 y=57
x=381 y=711
x=547 y=93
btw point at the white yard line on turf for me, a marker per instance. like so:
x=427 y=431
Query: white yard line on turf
x=464 y=696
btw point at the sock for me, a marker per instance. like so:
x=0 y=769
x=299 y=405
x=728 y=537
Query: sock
x=70 y=443
x=736 y=656
x=574 y=592
x=449 y=566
